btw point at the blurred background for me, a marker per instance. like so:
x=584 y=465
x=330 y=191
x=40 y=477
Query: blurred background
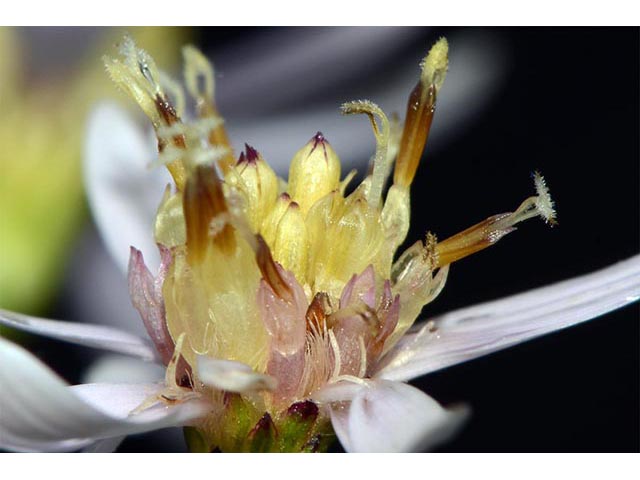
x=563 y=101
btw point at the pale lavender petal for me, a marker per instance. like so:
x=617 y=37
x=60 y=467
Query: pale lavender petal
x=146 y=296
x=340 y=424
x=360 y=288
x=39 y=411
x=386 y=416
x=284 y=317
x=97 y=336
x=123 y=191
x=479 y=330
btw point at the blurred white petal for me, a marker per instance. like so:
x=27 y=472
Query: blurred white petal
x=97 y=336
x=302 y=63
x=91 y=264
x=387 y=416
x=40 y=411
x=123 y=191
x=479 y=330
x=232 y=376
x=477 y=70
x=107 y=445
x=121 y=369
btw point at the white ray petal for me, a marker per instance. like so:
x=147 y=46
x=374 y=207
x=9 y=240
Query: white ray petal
x=478 y=330
x=39 y=411
x=387 y=416
x=123 y=192
x=232 y=376
x=97 y=336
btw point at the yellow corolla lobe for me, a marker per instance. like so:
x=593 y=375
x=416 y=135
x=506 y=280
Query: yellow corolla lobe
x=314 y=172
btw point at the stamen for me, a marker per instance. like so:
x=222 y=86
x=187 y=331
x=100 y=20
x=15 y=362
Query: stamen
x=200 y=79
x=380 y=161
x=270 y=272
x=175 y=91
x=472 y=240
x=363 y=357
x=318 y=311
x=420 y=110
x=136 y=73
x=337 y=362
x=351 y=379
x=203 y=201
x=172 y=367
x=196 y=67
x=395 y=135
x=347 y=180
x=193 y=132
x=489 y=231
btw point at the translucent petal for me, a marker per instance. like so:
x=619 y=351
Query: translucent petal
x=232 y=376
x=97 y=336
x=41 y=412
x=387 y=416
x=468 y=333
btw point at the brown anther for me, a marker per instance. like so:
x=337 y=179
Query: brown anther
x=318 y=311
x=319 y=139
x=362 y=310
x=203 y=201
x=169 y=116
x=420 y=109
x=431 y=250
x=218 y=136
x=166 y=110
x=249 y=156
x=168 y=400
x=471 y=240
x=270 y=273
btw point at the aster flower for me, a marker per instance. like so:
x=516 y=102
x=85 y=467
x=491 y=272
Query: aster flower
x=278 y=310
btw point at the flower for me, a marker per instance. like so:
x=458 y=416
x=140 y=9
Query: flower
x=278 y=310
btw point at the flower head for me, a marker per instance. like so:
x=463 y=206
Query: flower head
x=295 y=279
x=283 y=310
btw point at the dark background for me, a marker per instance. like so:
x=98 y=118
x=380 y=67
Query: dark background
x=569 y=107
